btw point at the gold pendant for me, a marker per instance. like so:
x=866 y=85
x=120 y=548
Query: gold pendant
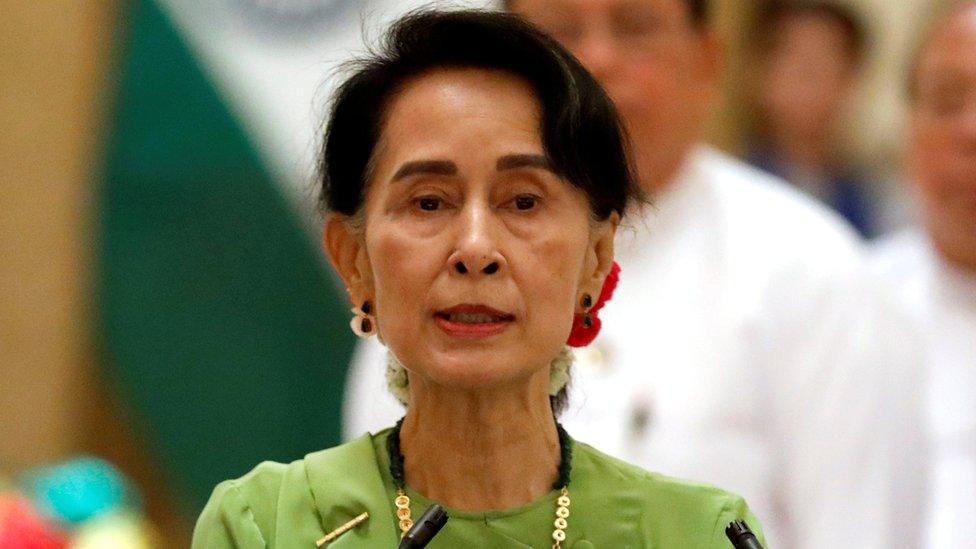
x=402 y=502
x=562 y=513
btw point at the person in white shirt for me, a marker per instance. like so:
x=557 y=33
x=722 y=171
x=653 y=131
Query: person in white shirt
x=933 y=267
x=745 y=345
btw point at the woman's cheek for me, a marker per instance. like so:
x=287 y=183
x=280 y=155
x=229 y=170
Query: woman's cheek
x=554 y=269
x=402 y=275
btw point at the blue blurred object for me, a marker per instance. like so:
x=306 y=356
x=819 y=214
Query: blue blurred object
x=844 y=189
x=79 y=490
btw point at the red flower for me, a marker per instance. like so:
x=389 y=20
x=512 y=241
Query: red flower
x=581 y=336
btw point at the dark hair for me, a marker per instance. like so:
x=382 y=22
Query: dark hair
x=697 y=11
x=852 y=25
x=582 y=135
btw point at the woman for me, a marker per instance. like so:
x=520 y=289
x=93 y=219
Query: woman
x=473 y=176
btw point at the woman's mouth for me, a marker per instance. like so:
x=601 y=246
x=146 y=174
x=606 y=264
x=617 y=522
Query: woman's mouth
x=473 y=321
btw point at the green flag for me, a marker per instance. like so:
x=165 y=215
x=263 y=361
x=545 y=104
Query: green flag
x=219 y=323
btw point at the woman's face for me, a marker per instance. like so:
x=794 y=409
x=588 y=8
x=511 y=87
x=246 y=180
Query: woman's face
x=475 y=254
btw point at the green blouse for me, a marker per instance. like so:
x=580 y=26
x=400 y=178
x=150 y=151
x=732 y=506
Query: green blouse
x=613 y=505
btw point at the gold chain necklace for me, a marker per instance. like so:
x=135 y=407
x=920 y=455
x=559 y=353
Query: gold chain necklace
x=402 y=503
x=402 y=500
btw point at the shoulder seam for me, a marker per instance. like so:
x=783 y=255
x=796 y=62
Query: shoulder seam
x=726 y=506
x=311 y=494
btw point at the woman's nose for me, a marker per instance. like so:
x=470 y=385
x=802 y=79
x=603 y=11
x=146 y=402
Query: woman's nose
x=490 y=268
x=477 y=246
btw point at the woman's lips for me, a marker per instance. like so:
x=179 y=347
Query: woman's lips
x=473 y=321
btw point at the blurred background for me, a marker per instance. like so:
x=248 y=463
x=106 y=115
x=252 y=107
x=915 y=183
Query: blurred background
x=163 y=303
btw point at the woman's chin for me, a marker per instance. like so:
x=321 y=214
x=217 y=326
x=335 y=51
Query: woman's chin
x=476 y=371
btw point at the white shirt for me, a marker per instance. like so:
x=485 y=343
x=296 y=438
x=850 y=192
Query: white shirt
x=745 y=348
x=942 y=300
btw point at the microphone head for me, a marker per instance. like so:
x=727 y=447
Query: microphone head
x=436 y=515
x=737 y=528
x=426 y=527
x=741 y=536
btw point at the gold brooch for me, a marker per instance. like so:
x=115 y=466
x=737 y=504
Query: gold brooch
x=331 y=536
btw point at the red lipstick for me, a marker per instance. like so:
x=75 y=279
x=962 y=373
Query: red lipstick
x=473 y=321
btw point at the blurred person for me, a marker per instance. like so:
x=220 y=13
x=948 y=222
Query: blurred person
x=473 y=177
x=746 y=346
x=810 y=54
x=933 y=267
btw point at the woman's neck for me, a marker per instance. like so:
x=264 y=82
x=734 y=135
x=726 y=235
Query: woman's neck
x=480 y=451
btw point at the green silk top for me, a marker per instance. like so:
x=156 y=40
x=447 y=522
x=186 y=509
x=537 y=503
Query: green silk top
x=614 y=505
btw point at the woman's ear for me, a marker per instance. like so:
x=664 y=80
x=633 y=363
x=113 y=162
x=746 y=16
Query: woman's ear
x=600 y=256
x=347 y=253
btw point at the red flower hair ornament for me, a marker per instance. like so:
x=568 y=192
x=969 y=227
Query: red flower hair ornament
x=581 y=336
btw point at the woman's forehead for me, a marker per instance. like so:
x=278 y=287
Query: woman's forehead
x=467 y=79
x=470 y=98
x=462 y=115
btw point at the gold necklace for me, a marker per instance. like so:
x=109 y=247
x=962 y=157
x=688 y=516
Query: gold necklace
x=402 y=500
x=402 y=503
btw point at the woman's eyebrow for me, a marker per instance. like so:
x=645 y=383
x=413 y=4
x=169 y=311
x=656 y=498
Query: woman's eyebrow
x=516 y=161
x=434 y=167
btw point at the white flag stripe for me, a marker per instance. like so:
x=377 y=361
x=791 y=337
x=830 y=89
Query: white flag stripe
x=278 y=86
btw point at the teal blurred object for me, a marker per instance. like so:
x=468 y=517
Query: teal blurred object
x=79 y=490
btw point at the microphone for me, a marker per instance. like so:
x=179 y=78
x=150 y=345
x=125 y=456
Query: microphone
x=424 y=530
x=741 y=536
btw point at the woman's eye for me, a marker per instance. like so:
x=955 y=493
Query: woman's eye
x=429 y=203
x=525 y=202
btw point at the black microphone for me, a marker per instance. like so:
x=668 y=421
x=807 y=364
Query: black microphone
x=741 y=536
x=424 y=530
